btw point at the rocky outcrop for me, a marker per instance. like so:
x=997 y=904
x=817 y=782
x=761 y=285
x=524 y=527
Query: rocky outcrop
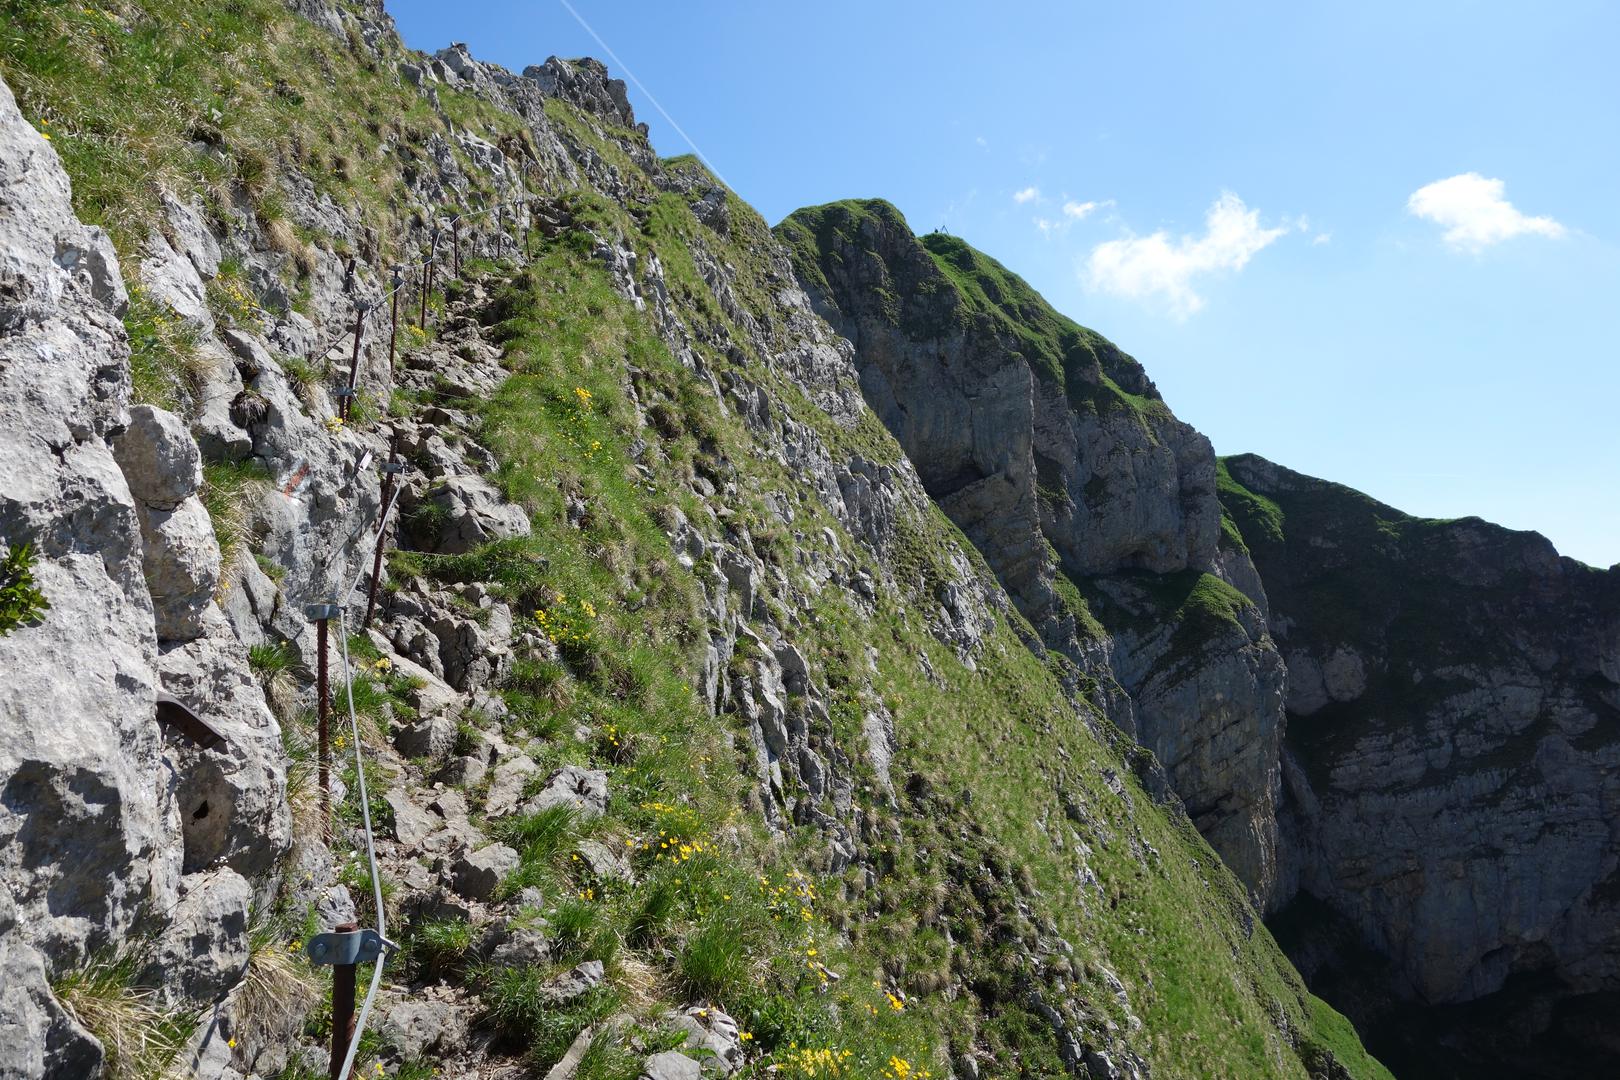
x=1452 y=767
x=1053 y=452
x=87 y=818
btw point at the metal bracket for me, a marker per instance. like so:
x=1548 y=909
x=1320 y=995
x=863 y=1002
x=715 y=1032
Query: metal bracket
x=320 y=612
x=358 y=947
x=394 y=467
x=344 y=392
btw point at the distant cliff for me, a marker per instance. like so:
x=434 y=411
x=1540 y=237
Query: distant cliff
x=1435 y=832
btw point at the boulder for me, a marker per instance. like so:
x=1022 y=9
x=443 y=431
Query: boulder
x=181 y=562
x=506 y=788
x=471 y=512
x=34 y=1028
x=203 y=950
x=585 y=790
x=233 y=799
x=87 y=836
x=574 y=984
x=671 y=1065
x=159 y=459
x=412 y=824
x=429 y=738
x=423 y=1028
x=477 y=874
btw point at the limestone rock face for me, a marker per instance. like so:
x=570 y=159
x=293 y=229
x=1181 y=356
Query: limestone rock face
x=1052 y=451
x=1207 y=687
x=85 y=815
x=158 y=457
x=1453 y=761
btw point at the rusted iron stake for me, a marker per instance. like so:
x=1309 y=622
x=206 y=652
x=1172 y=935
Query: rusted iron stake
x=455 y=236
x=343 y=993
x=323 y=736
x=426 y=262
x=393 y=318
x=354 y=358
x=389 y=470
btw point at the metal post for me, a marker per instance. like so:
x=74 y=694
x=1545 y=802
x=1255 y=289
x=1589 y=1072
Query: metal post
x=323 y=708
x=433 y=253
x=393 y=317
x=390 y=470
x=455 y=236
x=426 y=261
x=344 y=985
x=354 y=358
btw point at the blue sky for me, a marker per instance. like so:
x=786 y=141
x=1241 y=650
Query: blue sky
x=1375 y=242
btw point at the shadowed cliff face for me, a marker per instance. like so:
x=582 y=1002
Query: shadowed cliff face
x=1451 y=774
x=1053 y=452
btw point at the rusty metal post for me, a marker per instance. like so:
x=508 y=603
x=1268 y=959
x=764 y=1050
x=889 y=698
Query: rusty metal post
x=426 y=261
x=390 y=470
x=455 y=237
x=344 y=984
x=320 y=613
x=360 y=308
x=432 y=257
x=393 y=317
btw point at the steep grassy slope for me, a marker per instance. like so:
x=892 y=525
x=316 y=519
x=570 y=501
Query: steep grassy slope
x=989 y=884
x=1013 y=829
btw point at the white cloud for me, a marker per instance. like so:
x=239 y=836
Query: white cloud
x=1142 y=267
x=1029 y=194
x=981 y=140
x=1474 y=212
x=1078 y=210
x=1321 y=238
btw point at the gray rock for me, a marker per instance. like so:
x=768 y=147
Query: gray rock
x=412 y=824
x=520 y=947
x=574 y=984
x=506 y=788
x=191 y=235
x=181 y=563
x=585 y=790
x=334 y=907
x=158 y=457
x=715 y=1031
x=604 y=862
x=87 y=833
x=34 y=1028
x=479 y=873
x=472 y=513
x=203 y=950
x=430 y=738
x=463 y=772
x=232 y=800
x=671 y=1065
x=420 y=1028
x=172 y=280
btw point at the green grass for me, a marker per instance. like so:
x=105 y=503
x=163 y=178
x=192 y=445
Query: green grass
x=996 y=732
x=229 y=493
x=140 y=1036
x=938 y=284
